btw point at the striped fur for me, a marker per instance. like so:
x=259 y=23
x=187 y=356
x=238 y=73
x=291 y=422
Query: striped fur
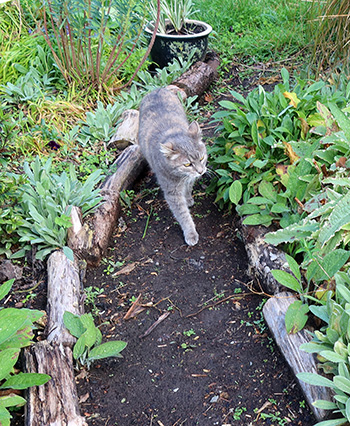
x=174 y=151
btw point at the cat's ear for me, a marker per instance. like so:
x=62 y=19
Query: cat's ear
x=167 y=149
x=194 y=130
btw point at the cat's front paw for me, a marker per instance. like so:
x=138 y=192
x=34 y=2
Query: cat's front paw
x=191 y=238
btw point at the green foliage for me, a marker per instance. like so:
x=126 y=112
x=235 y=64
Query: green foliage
x=10 y=218
x=332 y=345
x=253 y=31
x=16 y=332
x=331 y=38
x=91 y=41
x=46 y=203
x=88 y=347
x=174 y=11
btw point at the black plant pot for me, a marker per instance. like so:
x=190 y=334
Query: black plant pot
x=167 y=47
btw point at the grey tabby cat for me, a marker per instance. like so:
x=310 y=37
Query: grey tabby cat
x=175 y=152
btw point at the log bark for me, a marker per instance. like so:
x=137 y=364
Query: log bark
x=56 y=402
x=95 y=234
x=198 y=78
x=63 y=294
x=299 y=361
x=127 y=131
x=263 y=258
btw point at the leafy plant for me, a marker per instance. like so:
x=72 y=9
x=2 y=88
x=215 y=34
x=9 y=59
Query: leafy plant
x=16 y=332
x=176 y=12
x=331 y=344
x=46 y=203
x=10 y=218
x=259 y=155
x=93 y=40
x=88 y=347
x=295 y=318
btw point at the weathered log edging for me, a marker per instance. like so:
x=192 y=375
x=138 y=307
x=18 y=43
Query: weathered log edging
x=299 y=361
x=56 y=402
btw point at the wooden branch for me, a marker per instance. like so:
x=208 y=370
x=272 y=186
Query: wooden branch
x=95 y=235
x=199 y=77
x=63 y=294
x=263 y=258
x=56 y=402
x=299 y=361
x=127 y=131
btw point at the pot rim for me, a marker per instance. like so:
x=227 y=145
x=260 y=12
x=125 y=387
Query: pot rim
x=207 y=30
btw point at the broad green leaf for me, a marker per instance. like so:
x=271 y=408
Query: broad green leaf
x=90 y=332
x=235 y=192
x=8 y=358
x=108 y=349
x=339 y=217
x=12 y=400
x=332 y=356
x=287 y=280
x=73 y=324
x=326 y=268
x=342 y=383
x=296 y=318
x=294 y=267
x=25 y=380
x=5 y=288
x=79 y=347
x=11 y=320
x=258 y=219
x=5 y=416
x=238 y=96
x=20 y=339
x=259 y=201
x=267 y=190
x=342 y=120
x=325 y=405
x=69 y=253
x=312 y=347
x=316 y=380
x=292 y=233
x=335 y=422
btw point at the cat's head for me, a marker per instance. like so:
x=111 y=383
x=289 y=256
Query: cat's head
x=187 y=156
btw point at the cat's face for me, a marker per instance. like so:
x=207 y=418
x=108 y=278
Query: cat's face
x=190 y=158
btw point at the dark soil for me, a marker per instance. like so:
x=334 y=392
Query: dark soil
x=212 y=360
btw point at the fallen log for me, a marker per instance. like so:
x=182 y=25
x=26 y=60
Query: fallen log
x=127 y=131
x=198 y=78
x=274 y=312
x=93 y=238
x=263 y=258
x=56 y=402
x=63 y=294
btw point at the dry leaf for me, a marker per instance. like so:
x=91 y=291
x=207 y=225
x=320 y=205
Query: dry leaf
x=84 y=398
x=126 y=270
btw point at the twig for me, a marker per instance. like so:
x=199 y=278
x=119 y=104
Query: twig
x=147 y=222
x=154 y=325
x=233 y=296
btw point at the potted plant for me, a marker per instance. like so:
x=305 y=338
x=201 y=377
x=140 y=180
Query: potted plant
x=177 y=35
